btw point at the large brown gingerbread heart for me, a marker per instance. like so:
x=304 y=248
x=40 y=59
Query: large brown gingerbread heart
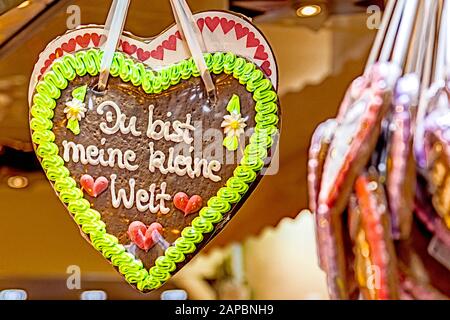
x=151 y=168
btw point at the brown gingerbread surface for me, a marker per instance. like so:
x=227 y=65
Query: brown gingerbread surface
x=187 y=97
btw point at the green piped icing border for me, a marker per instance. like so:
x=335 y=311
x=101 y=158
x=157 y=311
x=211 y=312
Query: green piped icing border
x=65 y=69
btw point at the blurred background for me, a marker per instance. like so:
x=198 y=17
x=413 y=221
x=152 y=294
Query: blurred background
x=268 y=250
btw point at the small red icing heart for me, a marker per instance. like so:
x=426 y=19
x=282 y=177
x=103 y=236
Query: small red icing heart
x=260 y=53
x=201 y=23
x=69 y=46
x=142 y=236
x=180 y=200
x=227 y=25
x=143 y=54
x=212 y=23
x=240 y=31
x=187 y=205
x=59 y=53
x=171 y=43
x=266 y=68
x=252 y=41
x=195 y=203
x=93 y=188
x=158 y=53
x=83 y=41
x=129 y=48
x=95 y=39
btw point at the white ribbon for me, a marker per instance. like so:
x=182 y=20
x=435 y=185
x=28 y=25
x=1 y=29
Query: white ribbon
x=194 y=40
x=113 y=29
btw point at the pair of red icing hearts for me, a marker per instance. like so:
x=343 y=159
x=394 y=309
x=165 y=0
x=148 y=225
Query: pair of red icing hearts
x=93 y=187
x=187 y=205
x=180 y=200
x=144 y=237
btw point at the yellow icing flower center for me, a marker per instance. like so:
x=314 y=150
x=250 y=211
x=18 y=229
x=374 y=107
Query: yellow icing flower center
x=73 y=111
x=234 y=124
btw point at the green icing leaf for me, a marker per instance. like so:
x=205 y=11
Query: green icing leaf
x=80 y=93
x=231 y=143
x=74 y=126
x=234 y=105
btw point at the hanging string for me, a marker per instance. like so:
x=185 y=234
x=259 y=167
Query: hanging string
x=109 y=18
x=113 y=28
x=392 y=32
x=447 y=41
x=419 y=55
x=417 y=37
x=425 y=83
x=194 y=40
x=378 y=42
x=404 y=33
x=441 y=56
x=159 y=239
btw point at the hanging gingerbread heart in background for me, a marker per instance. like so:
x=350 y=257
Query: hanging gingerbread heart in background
x=153 y=134
x=381 y=211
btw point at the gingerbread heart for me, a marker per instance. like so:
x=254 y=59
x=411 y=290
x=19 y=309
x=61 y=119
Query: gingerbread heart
x=153 y=135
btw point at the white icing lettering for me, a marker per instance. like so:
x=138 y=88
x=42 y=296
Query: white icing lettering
x=94 y=156
x=145 y=200
x=182 y=165
x=122 y=194
x=120 y=119
x=158 y=129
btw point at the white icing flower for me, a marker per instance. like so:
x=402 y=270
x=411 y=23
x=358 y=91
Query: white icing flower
x=233 y=124
x=75 y=109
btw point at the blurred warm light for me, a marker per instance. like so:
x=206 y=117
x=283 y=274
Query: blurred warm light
x=24 y=4
x=94 y=295
x=309 y=10
x=13 y=294
x=17 y=182
x=174 y=295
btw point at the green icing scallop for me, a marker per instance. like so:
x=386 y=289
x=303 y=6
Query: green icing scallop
x=165 y=263
x=237 y=184
x=90 y=227
x=184 y=245
x=41 y=111
x=185 y=69
x=65 y=183
x=174 y=254
x=78 y=206
x=65 y=69
x=229 y=195
x=239 y=66
x=218 y=63
x=212 y=215
x=89 y=215
x=202 y=225
x=192 y=235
